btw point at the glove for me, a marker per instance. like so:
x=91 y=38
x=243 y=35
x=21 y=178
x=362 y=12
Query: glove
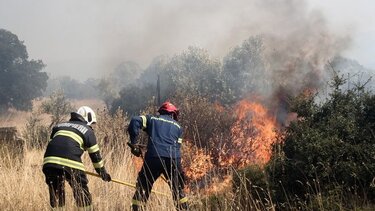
x=136 y=151
x=103 y=174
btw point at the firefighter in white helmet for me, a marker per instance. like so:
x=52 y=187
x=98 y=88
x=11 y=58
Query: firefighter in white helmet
x=62 y=159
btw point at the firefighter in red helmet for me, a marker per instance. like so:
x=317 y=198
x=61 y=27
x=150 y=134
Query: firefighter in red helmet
x=163 y=154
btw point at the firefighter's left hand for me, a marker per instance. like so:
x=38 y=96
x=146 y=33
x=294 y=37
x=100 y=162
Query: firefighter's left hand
x=106 y=177
x=104 y=174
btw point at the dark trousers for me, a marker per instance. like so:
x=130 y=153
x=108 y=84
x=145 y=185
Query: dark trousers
x=78 y=182
x=152 y=168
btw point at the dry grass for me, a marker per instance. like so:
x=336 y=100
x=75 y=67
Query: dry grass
x=22 y=181
x=14 y=118
x=23 y=187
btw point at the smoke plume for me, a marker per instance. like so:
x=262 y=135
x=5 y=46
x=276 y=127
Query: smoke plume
x=168 y=27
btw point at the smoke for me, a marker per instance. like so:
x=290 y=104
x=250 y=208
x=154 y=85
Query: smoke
x=297 y=56
x=169 y=27
x=297 y=46
x=297 y=41
x=90 y=38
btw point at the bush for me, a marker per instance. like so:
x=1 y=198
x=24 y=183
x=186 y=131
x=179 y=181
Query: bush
x=36 y=133
x=330 y=147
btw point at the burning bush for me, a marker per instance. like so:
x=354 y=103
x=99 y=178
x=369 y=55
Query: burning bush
x=253 y=134
x=196 y=161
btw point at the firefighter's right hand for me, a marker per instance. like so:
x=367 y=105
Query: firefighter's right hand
x=136 y=151
x=104 y=174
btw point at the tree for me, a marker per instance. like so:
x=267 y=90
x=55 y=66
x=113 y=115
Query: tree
x=244 y=70
x=21 y=80
x=123 y=76
x=194 y=73
x=73 y=88
x=190 y=73
x=133 y=99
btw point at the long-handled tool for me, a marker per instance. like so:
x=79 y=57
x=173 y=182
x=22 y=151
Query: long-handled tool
x=124 y=183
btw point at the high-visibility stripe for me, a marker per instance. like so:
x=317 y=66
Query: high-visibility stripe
x=144 y=122
x=99 y=164
x=93 y=149
x=164 y=120
x=184 y=200
x=179 y=140
x=136 y=202
x=64 y=162
x=71 y=135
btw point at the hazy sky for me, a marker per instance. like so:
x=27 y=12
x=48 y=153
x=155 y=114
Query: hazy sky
x=88 y=38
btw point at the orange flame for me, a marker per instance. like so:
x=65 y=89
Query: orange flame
x=253 y=134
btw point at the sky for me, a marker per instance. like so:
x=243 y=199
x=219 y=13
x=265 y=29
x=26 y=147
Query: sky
x=89 y=38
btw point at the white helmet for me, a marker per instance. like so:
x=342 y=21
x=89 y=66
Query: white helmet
x=88 y=114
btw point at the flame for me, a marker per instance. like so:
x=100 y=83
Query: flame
x=199 y=162
x=253 y=134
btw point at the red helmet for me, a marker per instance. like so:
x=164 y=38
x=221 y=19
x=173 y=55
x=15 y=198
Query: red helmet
x=168 y=107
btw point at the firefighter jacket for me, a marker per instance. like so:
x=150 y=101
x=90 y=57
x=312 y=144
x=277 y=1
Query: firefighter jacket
x=67 y=143
x=165 y=135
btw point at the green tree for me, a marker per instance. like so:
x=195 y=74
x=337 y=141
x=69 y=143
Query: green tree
x=21 y=80
x=194 y=73
x=133 y=99
x=244 y=70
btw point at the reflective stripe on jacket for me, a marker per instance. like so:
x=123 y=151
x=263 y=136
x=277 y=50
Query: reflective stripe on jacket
x=68 y=142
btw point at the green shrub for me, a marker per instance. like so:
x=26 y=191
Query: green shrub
x=328 y=150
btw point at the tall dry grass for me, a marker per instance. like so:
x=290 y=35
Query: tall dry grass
x=23 y=187
x=23 y=183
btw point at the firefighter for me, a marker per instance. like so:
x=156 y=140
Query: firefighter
x=163 y=156
x=62 y=159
